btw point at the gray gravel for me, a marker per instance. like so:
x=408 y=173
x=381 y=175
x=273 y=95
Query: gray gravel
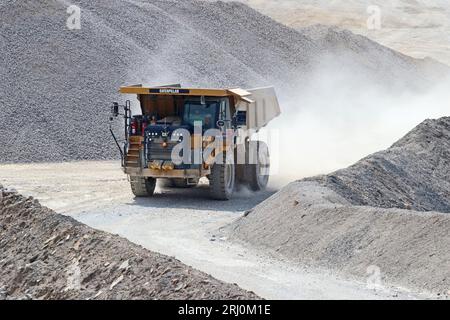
x=44 y=255
x=57 y=84
x=370 y=215
x=412 y=174
x=386 y=68
x=313 y=226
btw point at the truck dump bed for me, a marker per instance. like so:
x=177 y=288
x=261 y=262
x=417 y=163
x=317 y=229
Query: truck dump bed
x=263 y=107
x=261 y=104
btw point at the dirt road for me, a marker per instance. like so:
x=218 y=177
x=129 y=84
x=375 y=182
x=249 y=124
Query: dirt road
x=181 y=223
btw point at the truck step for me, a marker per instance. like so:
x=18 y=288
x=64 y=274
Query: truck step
x=136 y=139
x=131 y=163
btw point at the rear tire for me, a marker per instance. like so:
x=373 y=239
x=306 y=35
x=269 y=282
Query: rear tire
x=222 y=180
x=142 y=187
x=257 y=174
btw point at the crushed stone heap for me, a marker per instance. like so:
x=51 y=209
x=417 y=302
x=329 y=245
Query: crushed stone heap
x=370 y=216
x=44 y=255
x=58 y=84
x=412 y=174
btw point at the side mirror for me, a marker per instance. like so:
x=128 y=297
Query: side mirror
x=240 y=118
x=115 y=109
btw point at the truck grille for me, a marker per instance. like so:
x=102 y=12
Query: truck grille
x=155 y=151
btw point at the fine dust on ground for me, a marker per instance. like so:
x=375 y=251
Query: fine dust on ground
x=179 y=223
x=312 y=225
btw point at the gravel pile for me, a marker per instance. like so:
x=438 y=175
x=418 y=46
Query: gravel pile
x=44 y=255
x=58 y=83
x=313 y=226
x=352 y=50
x=412 y=174
x=351 y=222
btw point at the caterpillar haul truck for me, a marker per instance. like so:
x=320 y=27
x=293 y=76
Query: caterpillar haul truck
x=180 y=135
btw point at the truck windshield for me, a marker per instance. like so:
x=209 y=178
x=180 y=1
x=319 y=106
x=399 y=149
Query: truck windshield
x=205 y=113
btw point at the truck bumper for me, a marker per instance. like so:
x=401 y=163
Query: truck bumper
x=184 y=174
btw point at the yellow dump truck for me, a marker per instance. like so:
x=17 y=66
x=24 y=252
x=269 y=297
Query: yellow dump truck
x=183 y=134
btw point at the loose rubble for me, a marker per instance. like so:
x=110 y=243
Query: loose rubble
x=412 y=174
x=44 y=255
x=58 y=83
x=369 y=216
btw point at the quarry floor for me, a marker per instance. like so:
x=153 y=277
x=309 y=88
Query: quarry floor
x=183 y=223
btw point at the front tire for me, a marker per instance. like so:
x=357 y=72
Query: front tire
x=143 y=187
x=222 y=180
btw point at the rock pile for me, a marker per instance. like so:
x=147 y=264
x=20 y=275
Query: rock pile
x=58 y=83
x=413 y=174
x=369 y=217
x=44 y=255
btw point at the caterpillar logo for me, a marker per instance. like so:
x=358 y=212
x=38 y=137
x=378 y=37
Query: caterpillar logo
x=169 y=90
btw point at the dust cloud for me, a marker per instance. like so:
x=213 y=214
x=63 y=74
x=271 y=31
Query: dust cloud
x=340 y=116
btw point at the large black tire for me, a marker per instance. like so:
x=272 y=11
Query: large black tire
x=222 y=180
x=143 y=187
x=258 y=166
